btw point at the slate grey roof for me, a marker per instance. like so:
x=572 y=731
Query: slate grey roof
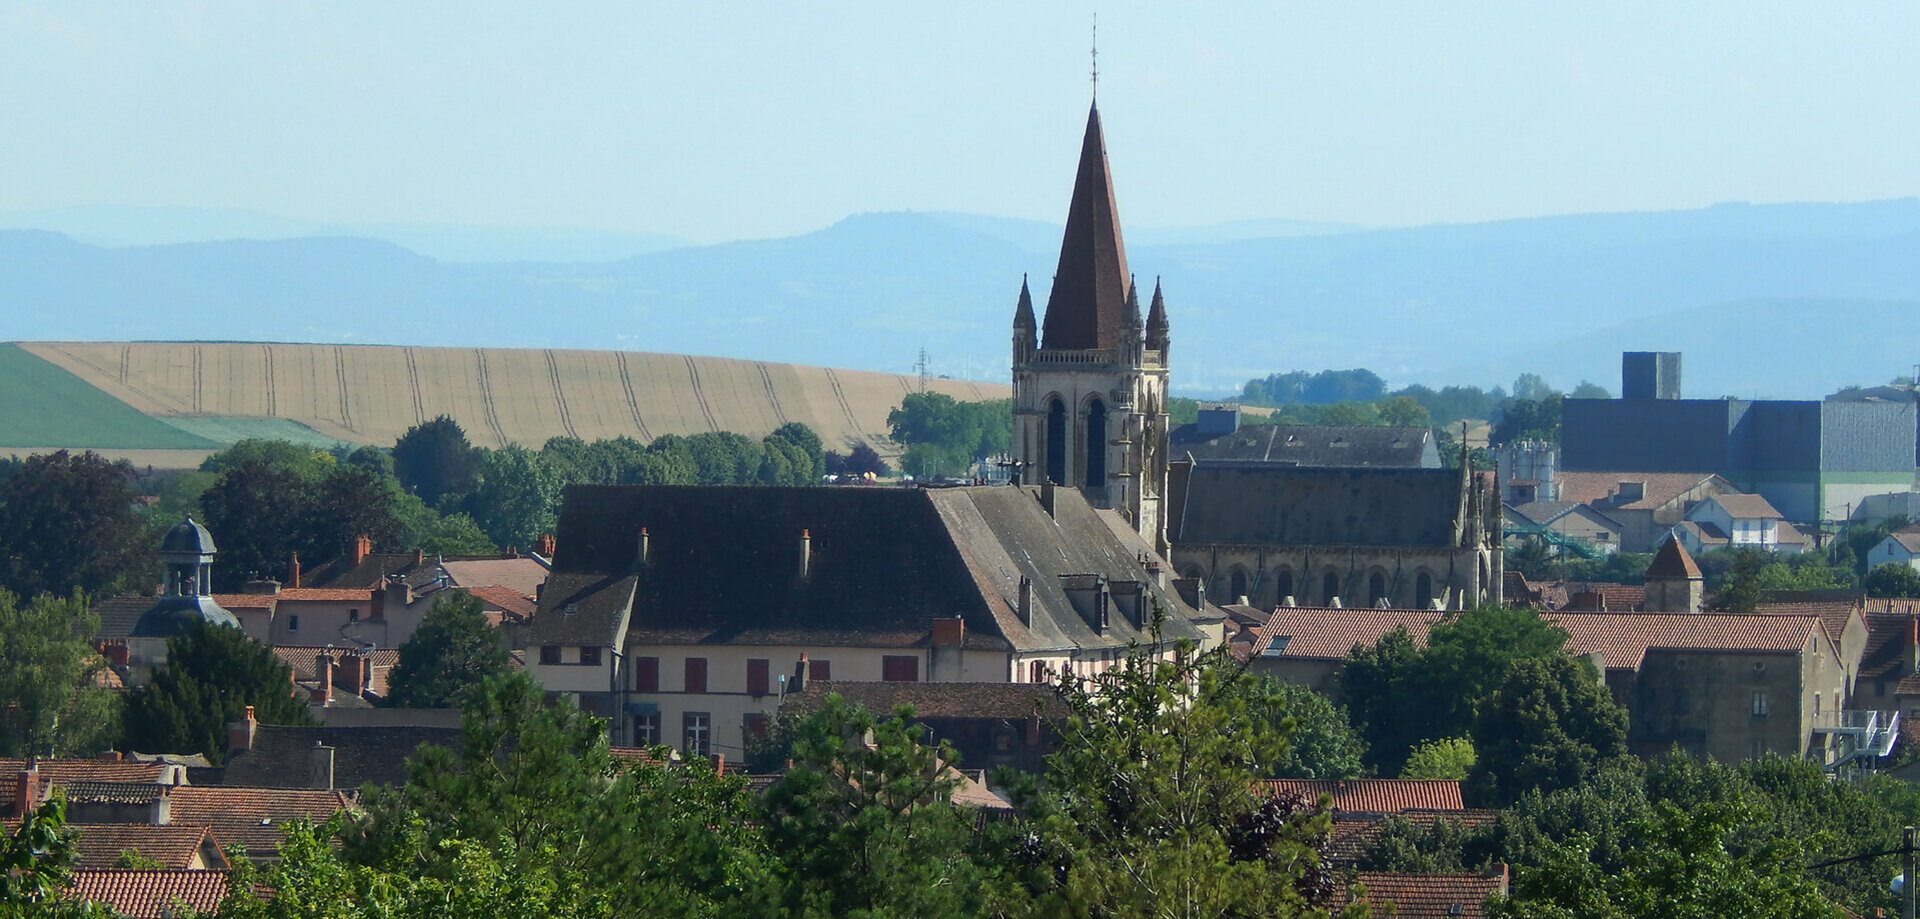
x=1312 y=445
x=188 y=538
x=1265 y=504
x=378 y=754
x=939 y=700
x=724 y=566
x=172 y=616
x=587 y=609
x=118 y=614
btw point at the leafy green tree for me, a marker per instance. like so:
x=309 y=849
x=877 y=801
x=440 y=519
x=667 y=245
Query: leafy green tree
x=434 y=459
x=517 y=495
x=1348 y=413
x=1403 y=411
x=859 y=461
x=36 y=860
x=305 y=462
x=454 y=534
x=452 y=654
x=1375 y=681
x=1533 y=388
x=69 y=523
x=1739 y=590
x=212 y=674
x=1549 y=726
x=1679 y=865
x=253 y=512
x=1148 y=810
x=1321 y=742
x=1445 y=758
x=1893 y=579
x=51 y=702
x=1528 y=419
x=1589 y=390
x=806 y=446
x=864 y=824
x=944 y=436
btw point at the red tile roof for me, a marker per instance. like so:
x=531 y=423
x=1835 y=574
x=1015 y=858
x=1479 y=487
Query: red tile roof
x=1623 y=638
x=1661 y=487
x=325 y=594
x=1439 y=896
x=506 y=598
x=253 y=817
x=1610 y=598
x=173 y=846
x=1835 y=615
x=245 y=601
x=1375 y=795
x=1330 y=632
x=1356 y=833
x=302 y=658
x=148 y=894
x=523 y=576
x=1672 y=561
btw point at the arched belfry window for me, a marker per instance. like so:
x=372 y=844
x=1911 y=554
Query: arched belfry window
x=1057 y=442
x=1096 y=442
x=1376 y=589
x=1283 y=582
x=1329 y=587
x=1237 y=585
x=1423 y=590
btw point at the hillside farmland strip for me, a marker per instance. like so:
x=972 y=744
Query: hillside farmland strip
x=273 y=400
x=840 y=393
x=413 y=384
x=700 y=395
x=486 y=399
x=199 y=382
x=340 y=370
x=633 y=404
x=772 y=396
x=559 y=395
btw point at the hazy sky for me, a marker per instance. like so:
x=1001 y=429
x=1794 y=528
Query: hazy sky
x=732 y=120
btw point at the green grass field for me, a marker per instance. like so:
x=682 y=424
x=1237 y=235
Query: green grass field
x=42 y=405
x=228 y=429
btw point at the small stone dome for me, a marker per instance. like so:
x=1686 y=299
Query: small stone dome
x=188 y=538
x=174 y=615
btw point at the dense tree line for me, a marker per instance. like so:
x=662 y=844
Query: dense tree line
x=946 y=437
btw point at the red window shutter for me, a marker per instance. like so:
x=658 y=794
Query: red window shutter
x=757 y=676
x=820 y=670
x=646 y=674
x=900 y=669
x=696 y=674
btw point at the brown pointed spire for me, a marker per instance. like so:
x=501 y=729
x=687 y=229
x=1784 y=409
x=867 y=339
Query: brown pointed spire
x=1672 y=561
x=1023 y=314
x=1157 y=320
x=1133 y=305
x=1090 y=287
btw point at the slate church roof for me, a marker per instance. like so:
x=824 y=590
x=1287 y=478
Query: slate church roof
x=724 y=565
x=1090 y=287
x=1311 y=445
x=1268 y=504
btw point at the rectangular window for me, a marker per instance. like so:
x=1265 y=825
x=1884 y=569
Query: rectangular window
x=293 y=623
x=757 y=676
x=1038 y=672
x=696 y=674
x=646 y=730
x=1759 y=704
x=819 y=670
x=753 y=726
x=353 y=615
x=590 y=656
x=646 y=674
x=549 y=654
x=900 y=669
x=696 y=733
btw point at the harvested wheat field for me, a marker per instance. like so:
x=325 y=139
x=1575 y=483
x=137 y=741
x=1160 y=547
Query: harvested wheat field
x=371 y=394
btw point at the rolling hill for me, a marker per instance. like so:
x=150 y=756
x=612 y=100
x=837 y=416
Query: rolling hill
x=154 y=394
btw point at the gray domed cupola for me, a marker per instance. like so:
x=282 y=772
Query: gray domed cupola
x=187 y=552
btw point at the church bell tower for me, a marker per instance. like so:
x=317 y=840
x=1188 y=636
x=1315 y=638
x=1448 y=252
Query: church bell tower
x=1090 y=379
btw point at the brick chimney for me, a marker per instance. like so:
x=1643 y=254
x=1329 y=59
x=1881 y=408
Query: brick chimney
x=1046 y=496
x=1024 y=609
x=543 y=545
x=115 y=651
x=948 y=635
x=323 y=671
x=353 y=669
x=240 y=733
x=643 y=551
x=361 y=548
x=512 y=552
x=419 y=557
x=293 y=570
x=799 y=683
x=108 y=756
x=163 y=806
x=27 y=787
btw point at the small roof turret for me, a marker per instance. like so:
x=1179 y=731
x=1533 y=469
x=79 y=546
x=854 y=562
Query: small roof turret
x=1023 y=314
x=1673 y=561
x=187 y=538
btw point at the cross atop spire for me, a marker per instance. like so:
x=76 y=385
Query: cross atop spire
x=1096 y=55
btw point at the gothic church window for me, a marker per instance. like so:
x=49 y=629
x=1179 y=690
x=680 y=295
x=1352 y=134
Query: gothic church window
x=1329 y=588
x=1057 y=443
x=1376 y=589
x=1096 y=443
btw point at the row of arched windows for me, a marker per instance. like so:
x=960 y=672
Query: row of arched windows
x=1094 y=448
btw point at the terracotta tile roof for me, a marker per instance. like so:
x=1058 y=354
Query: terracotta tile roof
x=1330 y=632
x=232 y=602
x=1835 y=615
x=1905 y=606
x=1431 y=896
x=1602 y=597
x=325 y=594
x=940 y=700
x=302 y=658
x=253 y=817
x=68 y=771
x=506 y=598
x=521 y=575
x=1661 y=487
x=113 y=792
x=1375 y=795
x=148 y=894
x=1743 y=506
x=1889 y=636
x=1623 y=638
x=173 y=846
x=1673 y=561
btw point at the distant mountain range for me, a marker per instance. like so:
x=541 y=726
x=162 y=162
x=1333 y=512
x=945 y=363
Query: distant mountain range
x=1788 y=301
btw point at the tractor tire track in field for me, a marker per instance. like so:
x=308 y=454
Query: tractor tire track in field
x=486 y=397
x=413 y=382
x=126 y=357
x=559 y=395
x=340 y=371
x=273 y=400
x=633 y=404
x=700 y=395
x=841 y=395
x=199 y=389
x=772 y=397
